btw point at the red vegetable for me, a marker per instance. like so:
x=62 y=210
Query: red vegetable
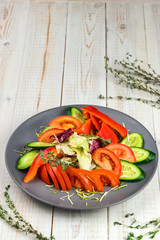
x=107 y=177
x=36 y=164
x=65 y=177
x=107 y=132
x=122 y=151
x=107 y=160
x=113 y=124
x=43 y=174
x=96 y=122
x=86 y=128
x=48 y=136
x=77 y=173
x=52 y=176
x=65 y=122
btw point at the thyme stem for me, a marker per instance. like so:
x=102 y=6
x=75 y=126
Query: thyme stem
x=17 y=221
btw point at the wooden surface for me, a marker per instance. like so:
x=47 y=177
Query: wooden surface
x=52 y=54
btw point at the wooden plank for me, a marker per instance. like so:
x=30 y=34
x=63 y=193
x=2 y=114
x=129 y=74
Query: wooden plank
x=84 y=78
x=152 y=24
x=126 y=33
x=39 y=88
x=12 y=38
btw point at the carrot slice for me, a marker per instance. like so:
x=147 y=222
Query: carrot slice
x=52 y=176
x=65 y=177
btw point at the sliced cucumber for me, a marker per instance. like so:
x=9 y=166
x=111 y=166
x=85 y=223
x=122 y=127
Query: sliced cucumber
x=75 y=112
x=39 y=145
x=46 y=128
x=26 y=160
x=143 y=155
x=133 y=140
x=131 y=172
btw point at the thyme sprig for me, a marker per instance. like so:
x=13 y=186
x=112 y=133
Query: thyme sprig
x=53 y=160
x=130 y=72
x=135 y=224
x=16 y=220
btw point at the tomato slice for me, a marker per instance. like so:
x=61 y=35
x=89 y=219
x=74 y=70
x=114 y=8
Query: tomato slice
x=98 y=185
x=36 y=165
x=107 y=132
x=107 y=160
x=48 y=136
x=86 y=128
x=75 y=182
x=122 y=151
x=65 y=122
x=81 y=176
x=65 y=177
x=59 y=178
x=96 y=122
x=43 y=174
x=107 y=177
x=52 y=176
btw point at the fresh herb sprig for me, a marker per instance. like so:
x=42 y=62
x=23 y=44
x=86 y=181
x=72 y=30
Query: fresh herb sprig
x=130 y=72
x=53 y=160
x=16 y=220
x=155 y=224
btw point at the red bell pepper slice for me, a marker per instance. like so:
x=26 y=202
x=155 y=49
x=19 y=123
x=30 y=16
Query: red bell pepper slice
x=96 y=122
x=86 y=128
x=43 y=174
x=107 y=132
x=36 y=164
x=107 y=160
x=113 y=124
x=65 y=122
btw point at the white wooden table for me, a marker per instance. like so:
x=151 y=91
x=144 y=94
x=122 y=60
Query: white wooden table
x=52 y=54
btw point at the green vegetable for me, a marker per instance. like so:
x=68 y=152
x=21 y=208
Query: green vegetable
x=143 y=155
x=77 y=141
x=131 y=172
x=39 y=145
x=26 y=160
x=84 y=158
x=133 y=140
x=75 y=112
x=46 y=128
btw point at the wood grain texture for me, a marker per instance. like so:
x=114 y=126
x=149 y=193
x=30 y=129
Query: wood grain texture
x=84 y=78
x=52 y=54
x=126 y=34
x=39 y=87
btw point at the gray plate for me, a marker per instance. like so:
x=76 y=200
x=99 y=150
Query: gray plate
x=25 y=133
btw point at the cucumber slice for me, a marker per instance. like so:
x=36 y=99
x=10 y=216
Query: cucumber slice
x=75 y=112
x=133 y=140
x=131 y=172
x=46 y=128
x=39 y=145
x=26 y=160
x=143 y=155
